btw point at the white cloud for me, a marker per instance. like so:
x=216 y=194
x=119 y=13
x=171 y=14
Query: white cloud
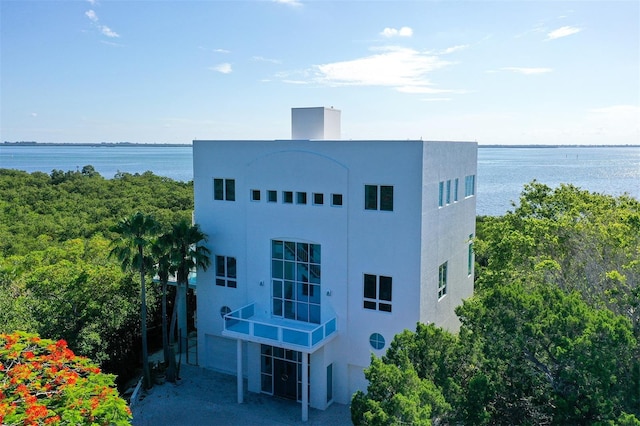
x=293 y=3
x=403 y=68
x=34 y=114
x=108 y=31
x=224 y=68
x=263 y=59
x=527 y=71
x=221 y=51
x=454 y=49
x=393 y=32
x=562 y=32
x=91 y=15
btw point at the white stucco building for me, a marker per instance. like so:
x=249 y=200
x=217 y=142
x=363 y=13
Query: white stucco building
x=323 y=249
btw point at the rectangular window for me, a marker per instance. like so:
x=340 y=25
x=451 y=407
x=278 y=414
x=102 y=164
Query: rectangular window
x=336 y=199
x=455 y=190
x=295 y=280
x=441 y=194
x=449 y=191
x=255 y=195
x=287 y=197
x=371 y=197
x=301 y=197
x=378 y=197
x=272 y=196
x=318 y=199
x=469 y=185
x=442 y=280
x=226 y=271
x=470 y=256
x=224 y=189
x=377 y=292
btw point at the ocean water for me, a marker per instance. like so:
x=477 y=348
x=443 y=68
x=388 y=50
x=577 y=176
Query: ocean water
x=502 y=172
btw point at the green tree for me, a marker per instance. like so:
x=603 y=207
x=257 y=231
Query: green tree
x=396 y=396
x=187 y=253
x=132 y=249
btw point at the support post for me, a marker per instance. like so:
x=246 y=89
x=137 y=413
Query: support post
x=239 y=372
x=305 y=386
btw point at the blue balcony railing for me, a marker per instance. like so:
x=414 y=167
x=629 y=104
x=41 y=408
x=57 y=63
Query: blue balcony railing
x=243 y=324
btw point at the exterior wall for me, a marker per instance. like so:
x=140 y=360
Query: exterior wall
x=407 y=244
x=446 y=230
x=315 y=123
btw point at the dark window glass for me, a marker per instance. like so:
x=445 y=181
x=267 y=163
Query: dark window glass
x=318 y=199
x=370 y=197
x=255 y=195
x=230 y=187
x=287 y=197
x=385 y=288
x=386 y=198
x=220 y=282
x=370 y=286
x=301 y=197
x=272 y=196
x=336 y=199
x=218 y=189
x=369 y=305
x=385 y=307
x=231 y=267
x=220 y=266
x=231 y=284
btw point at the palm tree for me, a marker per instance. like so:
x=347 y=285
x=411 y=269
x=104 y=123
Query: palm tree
x=187 y=254
x=131 y=248
x=162 y=255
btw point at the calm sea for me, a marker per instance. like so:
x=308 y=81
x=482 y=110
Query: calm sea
x=502 y=172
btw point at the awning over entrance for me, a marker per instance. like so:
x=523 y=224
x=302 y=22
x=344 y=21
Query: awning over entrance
x=244 y=324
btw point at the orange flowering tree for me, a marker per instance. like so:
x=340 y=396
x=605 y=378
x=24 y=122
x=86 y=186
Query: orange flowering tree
x=44 y=382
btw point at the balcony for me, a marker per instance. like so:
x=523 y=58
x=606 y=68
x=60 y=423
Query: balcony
x=301 y=336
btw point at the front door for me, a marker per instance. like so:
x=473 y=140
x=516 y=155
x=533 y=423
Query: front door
x=285 y=379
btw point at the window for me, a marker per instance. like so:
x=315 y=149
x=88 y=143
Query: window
x=318 y=199
x=442 y=280
x=224 y=311
x=449 y=191
x=469 y=185
x=441 y=194
x=255 y=195
x=287 y=197
x=301 y=197
x=377 y=292
x=272 y=196
x=455 y=190
x=226 y=271
x=336 y=199
x=378 y=197
x=295 y=284
x=470 y=256
x=376 y=340
x=224 y=189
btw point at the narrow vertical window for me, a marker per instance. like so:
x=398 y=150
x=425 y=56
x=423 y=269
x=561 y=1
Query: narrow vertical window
x=255 y=195
x=230 y=189
x=287 y=197
x=386 y=198
x=442 y=280
x=449 y=191
x=371 y=197
x=226 y=271
x=272 y=196
x=455 y=190
x=218 y=189
x=470 y=256
x=441 y=194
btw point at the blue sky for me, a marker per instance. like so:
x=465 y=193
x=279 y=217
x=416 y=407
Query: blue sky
x=501 y=72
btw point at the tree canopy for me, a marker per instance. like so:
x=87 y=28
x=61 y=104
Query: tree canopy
x=551 y=335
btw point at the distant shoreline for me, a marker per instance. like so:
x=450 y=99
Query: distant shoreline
x=138 y=144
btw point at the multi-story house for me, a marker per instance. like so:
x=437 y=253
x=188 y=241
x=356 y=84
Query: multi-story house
x=323 y=249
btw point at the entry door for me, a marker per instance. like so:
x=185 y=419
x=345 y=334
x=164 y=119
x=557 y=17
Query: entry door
x=285 y=379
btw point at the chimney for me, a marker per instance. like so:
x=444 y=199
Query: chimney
x=315 y=123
